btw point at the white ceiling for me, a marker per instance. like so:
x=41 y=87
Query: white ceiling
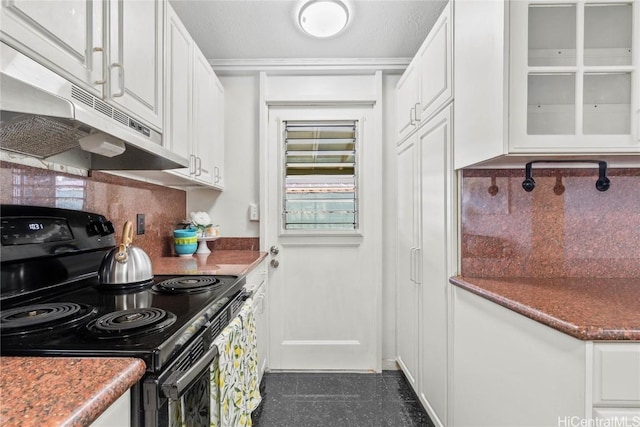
x=250 y=30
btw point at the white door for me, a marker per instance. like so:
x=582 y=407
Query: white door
x=325 y=290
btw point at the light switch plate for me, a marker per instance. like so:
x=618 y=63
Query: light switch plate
x=253 y=212
x=140 y=224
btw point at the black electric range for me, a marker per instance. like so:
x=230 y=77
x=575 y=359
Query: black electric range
x=52 y=304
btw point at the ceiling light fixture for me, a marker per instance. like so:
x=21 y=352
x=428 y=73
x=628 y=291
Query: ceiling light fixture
x=323 y=18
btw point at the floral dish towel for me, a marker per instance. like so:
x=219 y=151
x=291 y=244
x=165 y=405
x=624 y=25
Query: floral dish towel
x=234 y=377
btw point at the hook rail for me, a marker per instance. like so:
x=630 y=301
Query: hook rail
x=602 y=184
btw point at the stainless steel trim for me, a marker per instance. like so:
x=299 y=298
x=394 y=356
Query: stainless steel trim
x=179 y=381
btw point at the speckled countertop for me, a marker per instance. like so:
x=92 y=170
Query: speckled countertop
x=56 y=391
x=221 y=262
x=585 y=308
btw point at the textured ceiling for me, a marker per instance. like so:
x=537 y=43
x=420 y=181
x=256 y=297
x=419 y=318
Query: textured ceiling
x=267 y=29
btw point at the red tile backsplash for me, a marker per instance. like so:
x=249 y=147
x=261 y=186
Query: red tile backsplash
x=565 y=227
x=119 y=199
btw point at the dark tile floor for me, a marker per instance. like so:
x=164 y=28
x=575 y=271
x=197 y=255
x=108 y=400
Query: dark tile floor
x=338 y=400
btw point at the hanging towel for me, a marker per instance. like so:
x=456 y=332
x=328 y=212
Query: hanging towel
x=250 y=346
x=234 y=389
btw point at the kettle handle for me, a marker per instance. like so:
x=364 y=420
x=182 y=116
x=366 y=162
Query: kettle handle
x=127 y=239
x=127 y=234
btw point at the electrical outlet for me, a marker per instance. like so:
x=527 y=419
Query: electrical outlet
x=140 y=224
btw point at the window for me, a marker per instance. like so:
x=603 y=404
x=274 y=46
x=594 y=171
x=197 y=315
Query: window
x=320 y=190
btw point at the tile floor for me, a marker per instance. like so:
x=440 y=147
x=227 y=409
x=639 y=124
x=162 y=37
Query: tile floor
x=338 y=400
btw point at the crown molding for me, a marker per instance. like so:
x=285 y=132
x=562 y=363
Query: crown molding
x=309 y=65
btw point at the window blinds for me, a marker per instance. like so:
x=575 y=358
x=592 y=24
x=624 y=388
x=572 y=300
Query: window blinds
x=320 y=176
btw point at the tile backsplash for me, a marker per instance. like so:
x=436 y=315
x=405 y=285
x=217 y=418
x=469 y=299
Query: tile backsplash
x=117 y=198
x=565 y=227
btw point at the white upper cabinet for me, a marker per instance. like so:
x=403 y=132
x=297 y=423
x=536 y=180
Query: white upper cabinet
x=178 y=88
x=65 y=36
x=135 y=63
x=206 y=92
x=426 y=85
x=572 y=75
x=194 y=116
x=218 y=134
x=407 y=91
x=435 y=68
x=111 y=49
x=564 y=80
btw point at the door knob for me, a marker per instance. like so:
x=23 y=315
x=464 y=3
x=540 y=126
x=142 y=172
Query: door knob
x=275 y=263
x=274 y=250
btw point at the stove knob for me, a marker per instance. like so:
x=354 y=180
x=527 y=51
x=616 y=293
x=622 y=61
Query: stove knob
x=102 y=228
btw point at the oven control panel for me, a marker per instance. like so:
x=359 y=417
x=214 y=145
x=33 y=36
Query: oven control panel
x=28 y=232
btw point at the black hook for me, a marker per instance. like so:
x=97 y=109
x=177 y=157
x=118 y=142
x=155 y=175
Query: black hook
x=528 y=184
x=493 y=188
x=602 y=184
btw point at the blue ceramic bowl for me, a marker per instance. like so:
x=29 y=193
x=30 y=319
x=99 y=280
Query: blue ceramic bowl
x=185 y=249
x=187 y=232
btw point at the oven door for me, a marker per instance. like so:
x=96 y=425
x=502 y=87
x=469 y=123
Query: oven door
x=181 y=397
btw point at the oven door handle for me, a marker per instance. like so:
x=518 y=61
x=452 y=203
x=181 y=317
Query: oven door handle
x=179 y=381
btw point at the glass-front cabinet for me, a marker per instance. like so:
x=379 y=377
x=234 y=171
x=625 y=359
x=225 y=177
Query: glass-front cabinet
x=574 y=83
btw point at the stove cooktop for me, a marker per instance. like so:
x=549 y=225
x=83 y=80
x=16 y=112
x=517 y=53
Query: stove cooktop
x=152 y=322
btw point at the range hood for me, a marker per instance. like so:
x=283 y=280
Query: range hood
x=43 y=115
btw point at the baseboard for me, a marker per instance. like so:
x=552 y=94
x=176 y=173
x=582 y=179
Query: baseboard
x=389 y=365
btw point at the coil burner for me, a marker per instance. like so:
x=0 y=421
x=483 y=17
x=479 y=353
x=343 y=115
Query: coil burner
x=188 y=284
x=21 y=321
x=131 y=323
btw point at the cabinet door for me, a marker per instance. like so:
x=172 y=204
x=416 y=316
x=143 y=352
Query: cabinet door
x=178 y=72
x=480 y=79
x=436 y=173
x=573 y=77
x=509 y=370
x=616 y=374
x=217 y=122
x=436 y=67
x=66 y=37
x=407 y=99
x=135 y=58
x=204 y=108
x=407 y=251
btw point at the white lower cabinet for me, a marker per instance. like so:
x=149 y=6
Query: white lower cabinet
x=118 y=414
x=509 y=370
x=424 y=255
x=616 y=383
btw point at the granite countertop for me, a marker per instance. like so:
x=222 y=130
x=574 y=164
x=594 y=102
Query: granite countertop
x=585 y=308
x=51 y=391
x=220 y=262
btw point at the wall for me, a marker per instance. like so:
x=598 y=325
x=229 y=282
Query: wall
x=230 y=208
x=119 y=199
x=579 y=232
